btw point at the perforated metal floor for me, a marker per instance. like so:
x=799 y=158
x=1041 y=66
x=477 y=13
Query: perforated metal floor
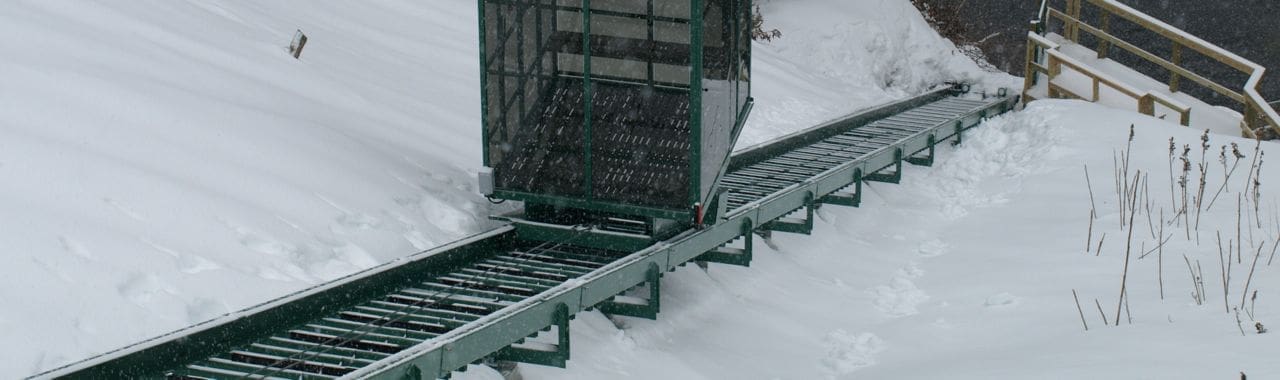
x=640 y=146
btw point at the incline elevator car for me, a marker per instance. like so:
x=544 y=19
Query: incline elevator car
x=612 y=107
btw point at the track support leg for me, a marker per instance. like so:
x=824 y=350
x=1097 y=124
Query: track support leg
x=959 y=132
x=794 y=225
x=648 y=310
x=732 y=256
x=844 y=198
x=894 y=177
x=556 y=356
x=926 y=160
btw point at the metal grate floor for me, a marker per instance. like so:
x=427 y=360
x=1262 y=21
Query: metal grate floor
x=640 y=146
x=757 y=181
x=348 y=339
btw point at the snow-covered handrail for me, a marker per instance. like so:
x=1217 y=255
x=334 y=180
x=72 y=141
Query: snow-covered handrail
x=1055 y=59
x=1257 y=113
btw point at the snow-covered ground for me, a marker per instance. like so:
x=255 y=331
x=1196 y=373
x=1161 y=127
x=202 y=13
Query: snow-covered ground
x=966 y=271
x=163 y=162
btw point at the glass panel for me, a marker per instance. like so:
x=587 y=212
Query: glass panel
x=640 y=131
x=538 y=88
x=533 y=143
x=718 y=85
x=744 y=53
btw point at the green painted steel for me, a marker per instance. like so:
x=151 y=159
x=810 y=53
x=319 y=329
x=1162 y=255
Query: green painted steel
x=484 y=85
x=647 y=310
x=503 y=26
x=695 y=101
x=435 y=312
x=569 y=202
x=587 y=103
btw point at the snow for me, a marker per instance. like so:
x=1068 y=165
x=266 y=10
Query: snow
x=167 y=162
x=966 y=271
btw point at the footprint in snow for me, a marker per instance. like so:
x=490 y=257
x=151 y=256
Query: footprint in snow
x=120 y=207
x=75 y=248
x=1001 y=300
x=900 y=297
x=189 y=264
x=846 y=353
x=203 y=309
x=142 y=288
x=933 y=248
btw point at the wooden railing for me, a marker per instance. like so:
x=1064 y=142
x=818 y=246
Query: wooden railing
x=1054 y=61
x=1257 y=112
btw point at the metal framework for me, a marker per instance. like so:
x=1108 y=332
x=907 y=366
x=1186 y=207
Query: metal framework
x=624 y=107
x=509 y=293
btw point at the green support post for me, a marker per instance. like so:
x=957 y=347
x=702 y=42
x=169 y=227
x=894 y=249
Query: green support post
x=847 y=199
x=648 y=310
x=732 y=256
x=587 y=99
x=959 y=133
x=554 y=358
x=927 y=160
x=793 y=225
x=894 y=177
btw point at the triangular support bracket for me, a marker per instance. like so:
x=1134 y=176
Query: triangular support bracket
x=556 y=355
x=795 y=225
x=630 y=306
x=732 y=256
x=927 y=160
x=895 y=176
x=840 y=198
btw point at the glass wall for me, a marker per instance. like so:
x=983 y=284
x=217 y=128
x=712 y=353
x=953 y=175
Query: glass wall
x=528 y=133
x=725 y=83
x=592 y=99
x=640 y=73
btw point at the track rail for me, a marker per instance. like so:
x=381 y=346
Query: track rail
x=485 y=296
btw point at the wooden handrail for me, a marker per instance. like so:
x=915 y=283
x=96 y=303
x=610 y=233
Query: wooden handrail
x=1257 y=112
x=1055 y=59
x=1179 y=71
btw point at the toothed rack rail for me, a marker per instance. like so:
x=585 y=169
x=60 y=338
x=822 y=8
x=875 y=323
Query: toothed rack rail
x=493 y=295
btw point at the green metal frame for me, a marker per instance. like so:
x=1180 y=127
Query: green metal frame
x=697 y=57
x=495 y=332
x=554 y=358
x=734 y=256
x=620 y=208
x=648 y=310
x=527 y=317
x=695 y=101
x=150 y=358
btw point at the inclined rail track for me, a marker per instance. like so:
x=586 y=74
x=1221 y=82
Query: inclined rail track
x=481 y=297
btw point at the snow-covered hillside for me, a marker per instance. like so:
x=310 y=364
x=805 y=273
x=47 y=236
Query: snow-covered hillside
x=966 y=271
x=164 y=162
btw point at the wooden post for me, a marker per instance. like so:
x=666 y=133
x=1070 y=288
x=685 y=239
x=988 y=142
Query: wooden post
x=1074 y=11
x=1030 y=74
x=1250 y=116
x=1095 y=90
x=1104 y=45
x=1055 y=68
x=1147 y=105
x=1175 y=80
